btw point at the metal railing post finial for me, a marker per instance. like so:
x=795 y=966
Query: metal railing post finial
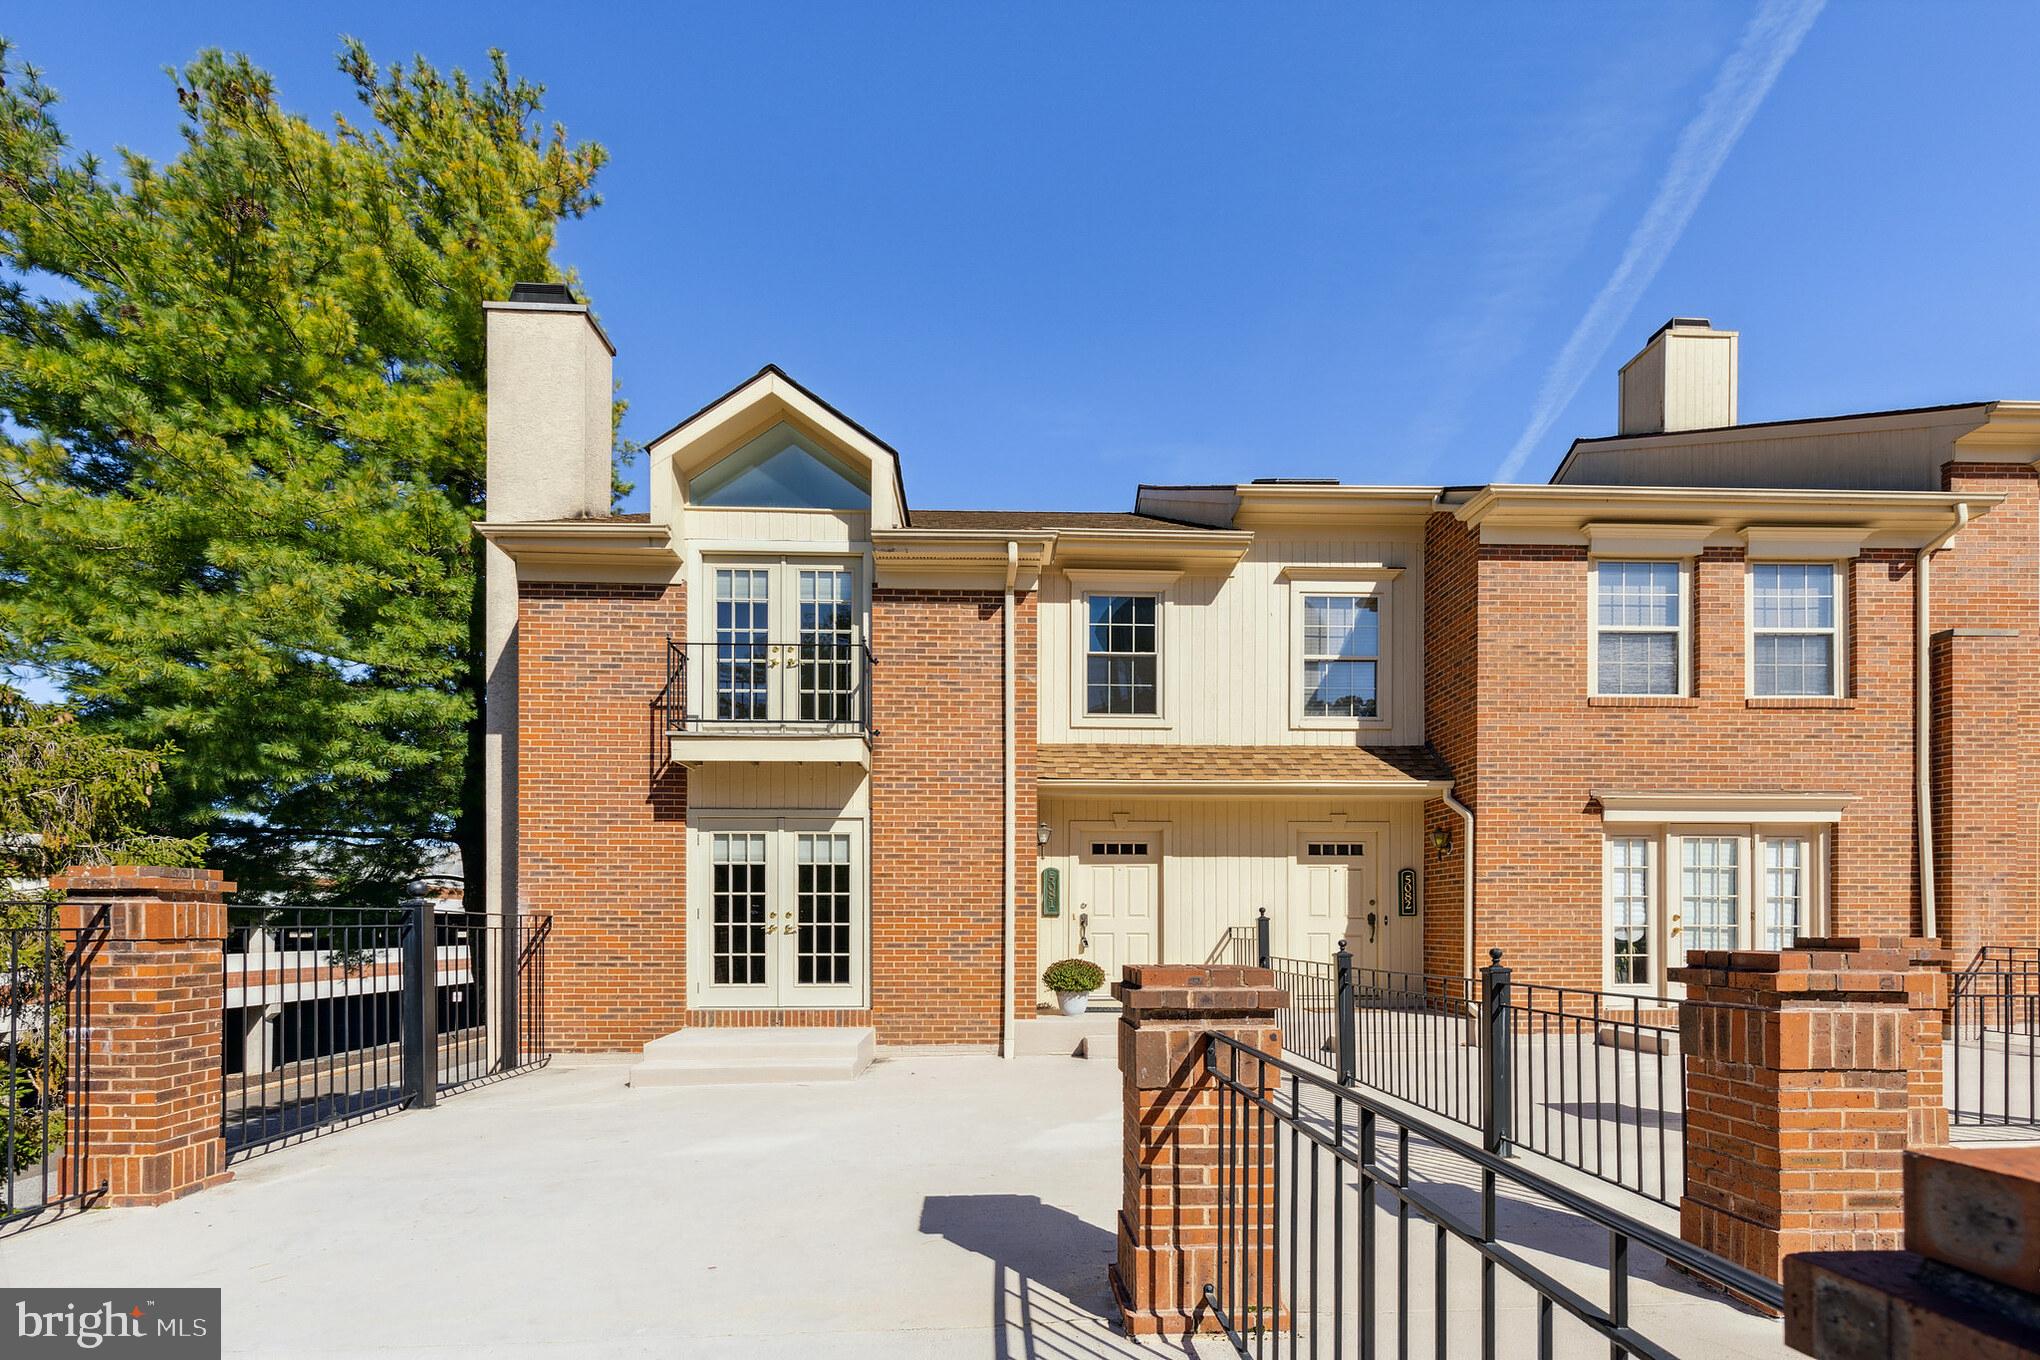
x=1264 y=950
x=1498 y=1099
x=1348 y=1002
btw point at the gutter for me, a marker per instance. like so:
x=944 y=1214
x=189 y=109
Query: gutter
x=1006 y=1044
x=1923 y=783
x=1466 y=877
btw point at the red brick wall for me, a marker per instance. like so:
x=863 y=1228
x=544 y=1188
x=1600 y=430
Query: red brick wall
x=602 y=841
x=1544 y=746
x=1986 y=706
x=937 y=821
x=1451 y=697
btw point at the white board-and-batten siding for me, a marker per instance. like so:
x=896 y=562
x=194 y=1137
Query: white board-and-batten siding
x=1223 y=859
x=1228 y=658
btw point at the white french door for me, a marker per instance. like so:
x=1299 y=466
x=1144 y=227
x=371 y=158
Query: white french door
x=778 y=916
x=785 y=646
x=1669 y=891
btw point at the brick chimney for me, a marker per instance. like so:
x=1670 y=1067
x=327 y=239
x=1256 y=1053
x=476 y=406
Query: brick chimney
x=1684 y=378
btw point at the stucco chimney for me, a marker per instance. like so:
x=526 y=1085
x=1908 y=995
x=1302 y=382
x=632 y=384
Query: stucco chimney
x=549 y=402
x=1683 y=379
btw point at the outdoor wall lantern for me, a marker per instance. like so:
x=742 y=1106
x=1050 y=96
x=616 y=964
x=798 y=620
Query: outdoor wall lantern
x=1041 y=834
x=1441 y=840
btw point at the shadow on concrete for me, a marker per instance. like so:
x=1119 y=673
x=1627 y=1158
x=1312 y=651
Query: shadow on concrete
x=1050 y=1299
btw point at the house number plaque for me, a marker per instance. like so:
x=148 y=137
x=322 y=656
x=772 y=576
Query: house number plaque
x=1406 y=892
x=1051 y=892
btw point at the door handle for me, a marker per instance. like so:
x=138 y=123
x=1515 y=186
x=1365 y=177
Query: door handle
x=1083 y=931
x=1370 y=927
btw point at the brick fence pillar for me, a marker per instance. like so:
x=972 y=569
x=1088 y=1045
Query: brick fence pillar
x=1169 y=1239
x=1967 y=1283
x=1799 y=1100
x=151 y=1084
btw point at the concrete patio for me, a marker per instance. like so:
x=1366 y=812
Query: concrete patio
x=941 y=1205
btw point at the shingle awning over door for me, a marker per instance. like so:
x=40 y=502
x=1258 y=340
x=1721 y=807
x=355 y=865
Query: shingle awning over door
x=1158 y=770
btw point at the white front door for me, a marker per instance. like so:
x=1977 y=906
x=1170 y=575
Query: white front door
x=1334 y=894
x=1117 y=897
x=777 y=915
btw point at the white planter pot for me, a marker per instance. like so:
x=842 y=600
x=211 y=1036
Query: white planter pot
x=1073 y=1003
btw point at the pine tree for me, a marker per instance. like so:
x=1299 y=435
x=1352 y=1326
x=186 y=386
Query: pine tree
x=242 y=446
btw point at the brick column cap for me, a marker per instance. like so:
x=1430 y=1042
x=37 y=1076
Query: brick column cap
x=137 y=880
x=1919 y=949
x=1195 y=991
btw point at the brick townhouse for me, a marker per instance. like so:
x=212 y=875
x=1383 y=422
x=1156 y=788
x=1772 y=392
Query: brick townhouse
x=786 y=752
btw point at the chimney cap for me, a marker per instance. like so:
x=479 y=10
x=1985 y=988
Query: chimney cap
x=556 y=293
x=1684 y=322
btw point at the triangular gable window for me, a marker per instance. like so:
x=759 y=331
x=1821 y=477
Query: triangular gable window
x=781 y=469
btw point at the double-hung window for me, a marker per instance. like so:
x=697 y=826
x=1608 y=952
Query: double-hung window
x=1639 y=643
x=1341 y=656
x=1795 y=630
x=1121 y=656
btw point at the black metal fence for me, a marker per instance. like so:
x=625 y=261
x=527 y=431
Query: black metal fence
x=1235 y=946
x=1994 y=1038
x=46 y=1148
x=1592 y=1080
x=1313 y=1174
x=334 y=1015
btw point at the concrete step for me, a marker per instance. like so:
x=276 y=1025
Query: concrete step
x=728 y=1057
x=1092 y=1035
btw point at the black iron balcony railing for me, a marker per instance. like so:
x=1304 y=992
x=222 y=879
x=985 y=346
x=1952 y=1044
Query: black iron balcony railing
x=815 y=685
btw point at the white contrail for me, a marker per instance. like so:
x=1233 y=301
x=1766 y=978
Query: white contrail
x=1774 y=33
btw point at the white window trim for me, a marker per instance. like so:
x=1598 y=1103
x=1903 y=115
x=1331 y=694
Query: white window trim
x=1085 y=584
x=1839 y=687
x=1376 y=587
x=1594 y=628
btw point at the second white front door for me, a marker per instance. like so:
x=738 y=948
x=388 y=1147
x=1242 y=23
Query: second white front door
x=777 y=915
x=1117 y=897
x=1334 y=894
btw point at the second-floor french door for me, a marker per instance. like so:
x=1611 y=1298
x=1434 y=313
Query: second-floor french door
x=787 y=645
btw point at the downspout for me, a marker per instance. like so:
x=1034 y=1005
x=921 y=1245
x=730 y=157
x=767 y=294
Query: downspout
x=1466 y=875
x=1006 y=965
x=1923 y=787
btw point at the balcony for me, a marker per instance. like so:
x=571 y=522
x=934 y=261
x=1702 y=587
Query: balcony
x=756 y=700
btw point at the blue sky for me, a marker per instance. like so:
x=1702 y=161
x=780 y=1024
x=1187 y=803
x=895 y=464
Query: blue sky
x=1050 y=251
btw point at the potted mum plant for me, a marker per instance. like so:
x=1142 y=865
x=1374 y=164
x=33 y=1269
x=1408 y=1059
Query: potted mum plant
x=1073 y=981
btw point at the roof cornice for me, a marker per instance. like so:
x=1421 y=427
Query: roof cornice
x=595 y=548
x=2012 y=427
x=1562 y=514
x=1267 y=506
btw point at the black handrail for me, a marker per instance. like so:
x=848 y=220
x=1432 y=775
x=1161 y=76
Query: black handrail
x=1593 y=1080
x=736 y=686
x=1994 y=1037
x=1267 y=1242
